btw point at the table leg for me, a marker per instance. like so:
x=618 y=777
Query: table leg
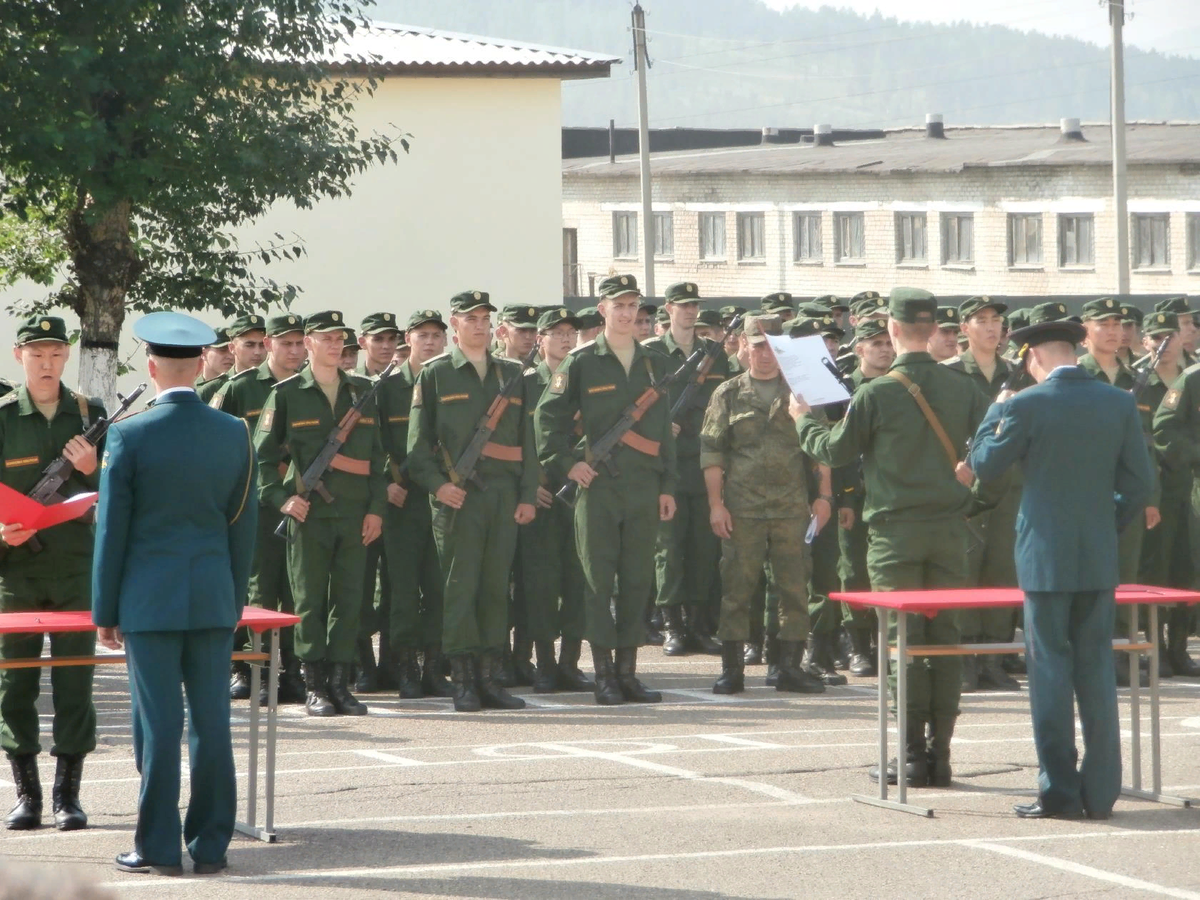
x=1135 y=703
x=250 y=826
x=884 y=723
x=272 y=721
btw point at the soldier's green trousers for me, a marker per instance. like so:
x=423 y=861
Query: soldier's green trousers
x=616 y=523
x=687 y=556
x=414 y=574
x=325 y=566
x=552 y=577
x=824 y=614
x=754 y=542
x=992 y=564
x=475 y=547
x=74 y=713
x=269 y=587
x=852 y=570
x=377 y=595
x=1129 y=560
x=917 y=555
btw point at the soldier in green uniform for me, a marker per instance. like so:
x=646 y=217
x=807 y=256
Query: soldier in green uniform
x=415 y=617
x=750 y=456
x=993 y=563
x=379 y=333
x=475 y=530
x=246 y=335
x=779 y=303
x=687 y=552
x=620 y=505
x=217 y=359
x=1131 y=337
x=330 y=535
x=1188 y=332
x=916 y=501
x=943 y=345
x=348 y=361
x=402 y=351
x=40 y=421
x=245 y=395
x=551 y=575
x=591 y=323
x=709 y=326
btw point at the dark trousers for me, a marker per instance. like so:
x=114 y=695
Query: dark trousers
x=414 y=574
x=1068 y=649
x=159 y=663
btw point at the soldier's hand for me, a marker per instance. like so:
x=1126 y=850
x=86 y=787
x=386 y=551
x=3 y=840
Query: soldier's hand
x=1153 y=517
x=721 y=522
x=525 y=513
x=666 y=507
x=822 y=509
x=110 y=638
x=845 y=518
x=451 y=496
x=372 y=528
x=582 y=474
x=15 y=535
x=675 y=429
x=396 y=495
x=545 y=499
x=797 y=407
x=296 y=507
x=81 y=454
x=964 y=474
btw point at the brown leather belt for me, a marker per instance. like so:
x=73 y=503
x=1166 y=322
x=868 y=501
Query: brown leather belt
x=502 y=452
x=350 y=465
x=640 y=444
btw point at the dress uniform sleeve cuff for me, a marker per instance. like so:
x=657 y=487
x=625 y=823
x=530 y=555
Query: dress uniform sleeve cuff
x=708 y=459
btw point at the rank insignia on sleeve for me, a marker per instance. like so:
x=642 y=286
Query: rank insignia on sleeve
x=999 y=426
x=558 y=383
x=416 y=400
x=267 y=419
x=104 y=461
x=1172 y=399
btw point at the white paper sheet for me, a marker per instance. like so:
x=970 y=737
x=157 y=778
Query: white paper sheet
x=803 y=364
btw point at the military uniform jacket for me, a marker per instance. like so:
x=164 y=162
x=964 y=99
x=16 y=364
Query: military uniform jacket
x=448 y=402
x=395 y=406
x=965 y=362
x=244 y=395
x=206 y=390
x=753 y=439
x=537 y=379
x=1177 y=424
x=907 y=473
x=29 y=443
x=296 y=420
x=690 y=421
x=592 y=383
x=1124 y=380
x=847 y=481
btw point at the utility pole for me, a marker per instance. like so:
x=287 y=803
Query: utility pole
x=1116 y=18
x=641 y=63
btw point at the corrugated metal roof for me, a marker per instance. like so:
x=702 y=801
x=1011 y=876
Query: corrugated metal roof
x=912 y=151
x=398 y=49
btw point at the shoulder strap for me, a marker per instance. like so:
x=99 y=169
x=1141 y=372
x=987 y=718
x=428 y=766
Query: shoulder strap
x=83 y=411
x=930 y=415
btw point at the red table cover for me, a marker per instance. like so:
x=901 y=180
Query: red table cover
x=255 y=619
x=931 y=602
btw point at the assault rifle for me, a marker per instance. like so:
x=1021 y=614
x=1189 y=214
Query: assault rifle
x=1143 y=377
x=310 y=481
x=600 y=453
x=55 y=475
x=462 y=471
x=683 y=403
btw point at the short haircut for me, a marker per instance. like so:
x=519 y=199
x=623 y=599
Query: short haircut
x=916 y=331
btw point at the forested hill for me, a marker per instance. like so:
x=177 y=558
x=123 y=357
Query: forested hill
x=738 y=63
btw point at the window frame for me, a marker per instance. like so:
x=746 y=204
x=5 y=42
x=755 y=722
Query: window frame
x=755 y=221
x=907 y=222
x=953 y=220
x=630 y=220
x=1136 y=244
x=716 y=254
x=801 y=220
x=1065 y=220
x=666 y=252
x=840 y=256
x=1019 y=234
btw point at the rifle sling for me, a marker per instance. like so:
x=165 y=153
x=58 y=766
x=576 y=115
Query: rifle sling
x=930 y=415
x=83 y=411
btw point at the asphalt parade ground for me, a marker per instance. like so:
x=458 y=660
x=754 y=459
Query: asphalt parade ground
x=697 y=797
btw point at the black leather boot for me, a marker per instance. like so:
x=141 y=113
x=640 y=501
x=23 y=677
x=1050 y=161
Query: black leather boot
x=522 y=655
x=239 y=680
x=941 y=730
x=733 y=669
x=491 y=694
x=863 y=662
x=840 y=648
x=792 y=675
x=68 y=815
x=569 y=676
x=462 y=677
x=699 y=637
x=916 y=758
x=507 y=676
x=608 y=692
x=674 y=641
x=771 y=656
x=433 y=678
x=316 y=689
x=27 y=814
x=388 y=671
x=407 y=674
x=366 y=681
x=632 y=689
x=1013 y=664
x=291 y=682
x=818 y=659
x=753 y=654
x=654 y=635
x=339 y=691
x=992 y=676
x=1177 y=639
x=546 y=678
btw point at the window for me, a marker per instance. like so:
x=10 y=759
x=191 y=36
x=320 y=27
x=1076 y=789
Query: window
x=1025 y=240
x=1193 y=237
x=712 y=235
x=958 y=238
x=751 y=244
x=806 y=238
x=1151 y=238
x=910 y=238
x=1077 y=240
x=849 y=242
x=625 y=234
x=664 y=235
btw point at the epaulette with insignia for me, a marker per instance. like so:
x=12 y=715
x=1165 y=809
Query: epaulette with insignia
x=584 y=346
x=244 y=374
x=1194 y=367
x=287 y=380
x=8 y=399
x=954 y=362
x=445 y=354
x=360 y=380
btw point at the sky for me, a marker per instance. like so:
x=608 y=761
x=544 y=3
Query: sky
x=1170 y=26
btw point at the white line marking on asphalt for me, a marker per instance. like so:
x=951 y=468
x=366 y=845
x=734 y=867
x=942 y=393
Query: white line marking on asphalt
x=740 y=741
x=389 y=757
x=1065 y=865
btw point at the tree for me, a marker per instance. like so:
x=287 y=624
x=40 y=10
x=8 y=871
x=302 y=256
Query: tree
x=135 y=135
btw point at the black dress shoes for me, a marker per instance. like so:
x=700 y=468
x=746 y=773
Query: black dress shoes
x=133 y=862
x=203 y=868
x=1035 y=810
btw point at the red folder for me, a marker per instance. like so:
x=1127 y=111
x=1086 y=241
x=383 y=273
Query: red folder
x=17 y=509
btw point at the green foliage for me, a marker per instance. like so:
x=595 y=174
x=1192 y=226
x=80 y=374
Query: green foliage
x=738 y=63
x=176 y=121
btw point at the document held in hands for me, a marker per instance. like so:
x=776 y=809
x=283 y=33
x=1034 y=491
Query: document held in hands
x=804 y=363
x=17 y=509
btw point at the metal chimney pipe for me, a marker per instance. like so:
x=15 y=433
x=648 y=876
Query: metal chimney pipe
x=934 y=126
x=1070 y=130
x=823 y=135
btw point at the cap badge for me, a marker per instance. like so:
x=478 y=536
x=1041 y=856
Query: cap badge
x=45 y=325
x=624 y=281
x=387 y=317
x=563 y=313
x=477 y=295
x=1061 y=308
x=1110 y=303
x=532 y=311
x=690 y=288
x=335 y=317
